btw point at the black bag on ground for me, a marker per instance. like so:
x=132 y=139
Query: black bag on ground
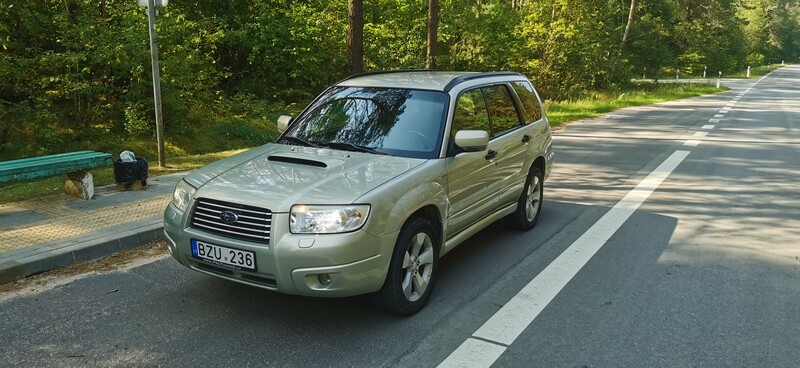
x=129 y=172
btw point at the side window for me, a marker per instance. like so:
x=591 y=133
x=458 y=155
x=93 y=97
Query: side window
x=470 y=112
x=533 y=111
x=501 y=108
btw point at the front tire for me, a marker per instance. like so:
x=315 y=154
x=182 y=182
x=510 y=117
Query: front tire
x=530 y=202
x=412 y=270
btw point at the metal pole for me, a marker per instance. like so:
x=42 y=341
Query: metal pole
x=151 y=20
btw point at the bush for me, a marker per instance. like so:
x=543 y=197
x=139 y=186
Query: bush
x=242 y=134
x=136 y=121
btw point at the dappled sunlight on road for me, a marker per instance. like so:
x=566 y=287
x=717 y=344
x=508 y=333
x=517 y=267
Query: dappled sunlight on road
x=736 y=196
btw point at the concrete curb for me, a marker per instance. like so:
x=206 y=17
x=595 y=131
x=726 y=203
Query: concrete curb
x=26 y=262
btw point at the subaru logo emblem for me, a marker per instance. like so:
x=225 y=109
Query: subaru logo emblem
x=229 y=217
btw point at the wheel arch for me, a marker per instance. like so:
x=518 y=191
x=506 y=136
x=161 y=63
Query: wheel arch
x=540 y=163
x=431 y=213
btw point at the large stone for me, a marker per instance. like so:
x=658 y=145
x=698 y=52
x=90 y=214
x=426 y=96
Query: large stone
x=79 y=184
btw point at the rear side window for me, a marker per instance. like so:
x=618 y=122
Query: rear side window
x=530 y=102
x=502 y=112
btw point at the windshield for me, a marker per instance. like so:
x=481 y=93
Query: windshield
x=398 y=122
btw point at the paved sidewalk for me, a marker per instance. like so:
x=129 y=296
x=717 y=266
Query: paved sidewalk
x=40 y=234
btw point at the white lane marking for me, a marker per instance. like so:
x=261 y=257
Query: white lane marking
x=726 y=109
x=700 y=134
x=708 y=126
x=719 y=115
x=730 y=104
x=722 y=112
x=713 y=120
x=692 y=143
x=514 y=317
x=473 y=353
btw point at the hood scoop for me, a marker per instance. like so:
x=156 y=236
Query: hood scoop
x=297 y=161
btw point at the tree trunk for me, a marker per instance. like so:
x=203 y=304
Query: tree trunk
x=433 y=32
x=627 y=29
x=355 y=36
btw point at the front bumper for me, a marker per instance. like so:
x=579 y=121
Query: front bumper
x=356 y=262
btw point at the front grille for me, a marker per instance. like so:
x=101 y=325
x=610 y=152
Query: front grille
x=254 y=224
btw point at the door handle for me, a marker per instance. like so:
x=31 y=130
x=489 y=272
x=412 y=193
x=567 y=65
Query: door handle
x=526 y=138
x=490 y=155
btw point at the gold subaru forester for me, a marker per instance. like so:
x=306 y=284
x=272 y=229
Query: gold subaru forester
x=369 y=186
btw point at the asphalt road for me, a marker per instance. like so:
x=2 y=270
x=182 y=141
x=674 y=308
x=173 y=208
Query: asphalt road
x=672 y=247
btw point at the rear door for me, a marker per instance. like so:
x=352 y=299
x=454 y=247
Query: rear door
x=508 y=143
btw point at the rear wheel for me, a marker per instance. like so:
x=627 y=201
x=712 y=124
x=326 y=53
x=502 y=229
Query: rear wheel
x=412 y=270
x=530 y=202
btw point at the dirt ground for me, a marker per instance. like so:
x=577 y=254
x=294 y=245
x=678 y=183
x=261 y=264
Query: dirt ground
x=59 y=276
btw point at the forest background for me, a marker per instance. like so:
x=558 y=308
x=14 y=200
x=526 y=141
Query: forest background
x=75 y=74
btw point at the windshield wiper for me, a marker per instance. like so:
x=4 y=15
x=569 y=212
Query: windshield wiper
x=300 y=141
x=353 y=147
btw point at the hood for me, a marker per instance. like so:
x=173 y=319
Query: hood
x=276 y=176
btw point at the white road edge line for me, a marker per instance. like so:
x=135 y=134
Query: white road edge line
x=474 y=353
x=514 y=317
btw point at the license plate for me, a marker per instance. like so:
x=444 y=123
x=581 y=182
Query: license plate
x=224 y=256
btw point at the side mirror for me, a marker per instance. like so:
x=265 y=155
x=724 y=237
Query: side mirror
x=283 y=122
x=472 y=140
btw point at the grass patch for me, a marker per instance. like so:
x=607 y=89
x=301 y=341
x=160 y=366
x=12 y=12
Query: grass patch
x=20 y=191
x=754 y=72
x=597 y=103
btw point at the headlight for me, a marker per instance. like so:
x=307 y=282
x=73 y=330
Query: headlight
x=183 y=193
x=306 y=219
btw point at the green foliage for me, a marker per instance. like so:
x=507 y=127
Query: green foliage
x=136 y=123
x=771 y=30
x=395 y=34
x=75 y=74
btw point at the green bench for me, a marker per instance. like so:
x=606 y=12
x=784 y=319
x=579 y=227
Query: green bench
x=75 y=165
